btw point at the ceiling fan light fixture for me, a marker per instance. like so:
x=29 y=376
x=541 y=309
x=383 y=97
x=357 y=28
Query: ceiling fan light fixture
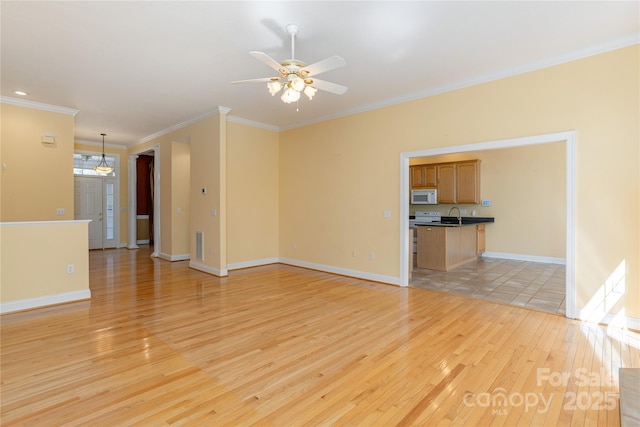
x=297 y=84
x=310 y=91
x=103 y=167
x=274 y=87
x=290 y=95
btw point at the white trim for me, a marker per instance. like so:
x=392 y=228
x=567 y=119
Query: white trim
x=37 y=302
x=247 y=122
x=65 y=221
x=179 y=257
x=571 y=174
x=218 y=111
x=142 y=242
x=343 y=271
x=252 y=263
x=207 y=269
x=99 y=145
x=157 y=244
x=38 y=106
x=524 y=257
x=627 y=322
x=568 y=137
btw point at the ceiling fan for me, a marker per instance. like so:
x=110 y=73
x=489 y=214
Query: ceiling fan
x=295 y=76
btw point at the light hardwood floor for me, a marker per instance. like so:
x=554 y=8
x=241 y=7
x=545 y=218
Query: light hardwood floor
x=162 y=344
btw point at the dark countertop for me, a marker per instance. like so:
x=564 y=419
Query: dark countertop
x=452 y=221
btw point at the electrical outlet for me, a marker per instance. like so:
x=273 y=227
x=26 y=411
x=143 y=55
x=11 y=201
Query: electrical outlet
x=60 y=211
x=486 y=203
x=353 y=253
x=387 y=214
x=294 y=245
x=70 y=269
x=372 y=255
x=463 y=211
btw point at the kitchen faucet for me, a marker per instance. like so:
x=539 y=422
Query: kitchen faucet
x=459 y=215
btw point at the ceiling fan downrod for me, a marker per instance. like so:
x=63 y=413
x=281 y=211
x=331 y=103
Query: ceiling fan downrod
x=292 y=29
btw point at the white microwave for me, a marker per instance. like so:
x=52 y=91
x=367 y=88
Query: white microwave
x=424 y=197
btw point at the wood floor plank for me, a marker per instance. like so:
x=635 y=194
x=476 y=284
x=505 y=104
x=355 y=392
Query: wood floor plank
x=162 y=344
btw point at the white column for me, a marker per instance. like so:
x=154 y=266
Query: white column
x=156 y=202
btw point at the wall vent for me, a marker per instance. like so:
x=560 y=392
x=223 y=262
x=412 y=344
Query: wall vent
x=199 y=245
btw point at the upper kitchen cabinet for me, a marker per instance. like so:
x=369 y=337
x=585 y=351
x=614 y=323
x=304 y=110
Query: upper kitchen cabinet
x=423 y=176
x=468 y=182
x=457 y=182
x=446 y=182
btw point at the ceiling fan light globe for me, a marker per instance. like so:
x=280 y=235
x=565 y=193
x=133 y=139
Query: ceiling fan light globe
x=297 y=84
x=290 y=95
x=310 y=91
x=274 y=87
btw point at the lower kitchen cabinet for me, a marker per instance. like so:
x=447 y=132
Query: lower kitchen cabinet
x=480 y=245
x=445 y=248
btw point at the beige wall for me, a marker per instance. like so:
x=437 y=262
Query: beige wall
x=337 y=177
x=527 y=191
x=27 y=194
x=180 y=198
x=207 y=169
x=34 y=259
x=252 y=194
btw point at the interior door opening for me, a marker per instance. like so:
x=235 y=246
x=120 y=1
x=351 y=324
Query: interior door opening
x=569 y=141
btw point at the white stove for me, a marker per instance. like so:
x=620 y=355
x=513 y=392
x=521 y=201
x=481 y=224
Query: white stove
x=425 y=217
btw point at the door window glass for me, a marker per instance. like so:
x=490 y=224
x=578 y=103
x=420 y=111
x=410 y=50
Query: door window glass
x=110 y=212
x=83 y=164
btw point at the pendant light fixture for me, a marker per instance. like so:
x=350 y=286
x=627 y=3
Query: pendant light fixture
x=103 y=167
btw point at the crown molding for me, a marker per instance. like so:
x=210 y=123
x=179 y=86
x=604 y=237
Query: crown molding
x=252 y=123
x=219 y=110
x=99 y=144
x=38 y=106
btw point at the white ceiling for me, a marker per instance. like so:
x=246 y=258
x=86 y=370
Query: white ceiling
x=136 y=68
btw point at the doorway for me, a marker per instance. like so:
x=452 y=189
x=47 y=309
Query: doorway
x=569 y=140
x=95 y=200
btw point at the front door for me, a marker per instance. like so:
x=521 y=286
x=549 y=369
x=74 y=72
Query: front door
x=88 y=200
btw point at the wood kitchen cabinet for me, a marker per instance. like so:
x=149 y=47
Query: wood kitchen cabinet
x=480 y=244
x=468 y=182
x=446 y=182
x=445 y=248
x=457 y=182
x=423 y=176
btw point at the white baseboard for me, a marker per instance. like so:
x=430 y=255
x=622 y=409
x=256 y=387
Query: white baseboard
x=343 y=271
x=179 y=257
x=252 y=263
x=621 y=321
x=522 y=257
x=207 y=269
x=29 y=303
x=143 y=242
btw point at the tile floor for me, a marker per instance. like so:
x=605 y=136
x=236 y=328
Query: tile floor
x=534 y=285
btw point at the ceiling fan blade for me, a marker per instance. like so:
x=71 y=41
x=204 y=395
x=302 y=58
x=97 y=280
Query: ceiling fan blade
x=328 y=86
x=327 y=64
x=264 y=79
x=261 y=56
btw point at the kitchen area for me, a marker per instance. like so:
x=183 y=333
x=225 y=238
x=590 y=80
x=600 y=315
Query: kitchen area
x=501 y=245
x=445 y=237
